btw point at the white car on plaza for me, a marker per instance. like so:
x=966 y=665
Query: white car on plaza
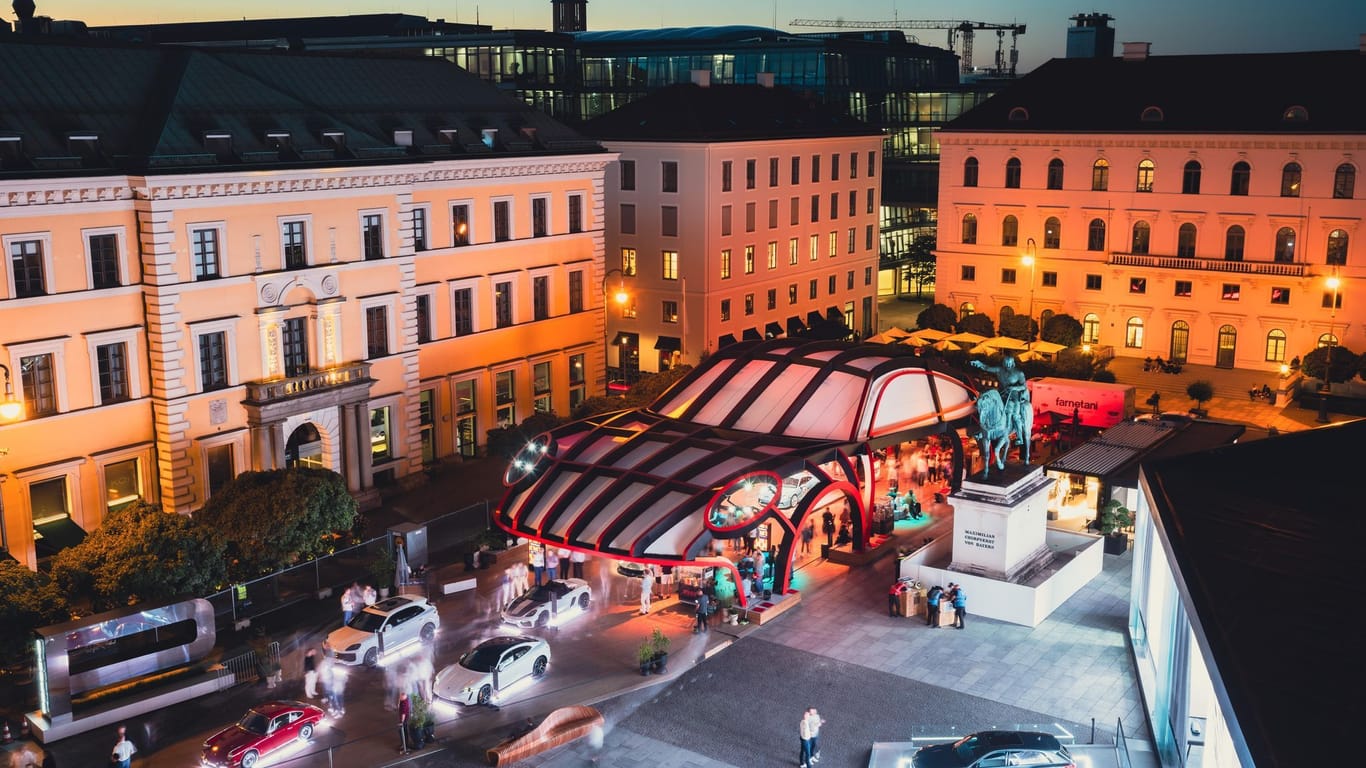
x=492 y=667
x=383 y=629
x=539 y=606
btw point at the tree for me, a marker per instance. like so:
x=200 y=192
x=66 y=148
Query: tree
x=979 y=324
x=1062 y=329
x=646 y=389
x=269 y=520
x=940 y=317
x=1019 y=327
x=140 y=554
x=1201 y=392
x=28 y=600
x=920 y=263
x=1343 y=367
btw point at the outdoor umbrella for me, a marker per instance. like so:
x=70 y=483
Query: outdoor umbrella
x=929 y=334
x=1046 y=347
x=966 y=338
x=1005 y=342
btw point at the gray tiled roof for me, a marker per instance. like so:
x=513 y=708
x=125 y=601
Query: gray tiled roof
x=151 y=109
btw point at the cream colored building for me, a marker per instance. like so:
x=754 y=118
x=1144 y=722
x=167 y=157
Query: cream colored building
x=1202 y=209
x=735 y=213
x=229 y=261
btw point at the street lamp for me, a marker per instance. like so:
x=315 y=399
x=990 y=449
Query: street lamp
x=1028 y=260
x=10 y=408
x=1334 y=283
x=620 y=296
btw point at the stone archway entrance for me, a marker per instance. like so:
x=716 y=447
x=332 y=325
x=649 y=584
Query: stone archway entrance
x=305 y=448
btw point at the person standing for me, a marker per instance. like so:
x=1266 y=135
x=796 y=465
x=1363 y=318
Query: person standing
x=808 y=533
x=552 y=563
x=960 y=606
x=647 y=588
x=339 y=690
x=538 y=562
x=703 y=608
x=814 y=723
x=311 y=673
x=828 y=527
x=932 y=606
x=576 y=559
x=804 y=731
x=405 y=708
x=327 y=676
x=348 y=603
x=894 y=597
x=369 y=596
x=122 y=756
x=505 y=595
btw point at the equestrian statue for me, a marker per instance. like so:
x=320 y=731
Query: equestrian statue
x=1003 y=412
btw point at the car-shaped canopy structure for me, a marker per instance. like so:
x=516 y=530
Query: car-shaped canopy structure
x=549 y=603
x=492 y=667
x=986 y=749
x=383 y=629
x=264 y=729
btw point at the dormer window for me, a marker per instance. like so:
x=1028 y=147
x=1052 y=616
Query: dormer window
x=403 y=138
x=335 y=139
x=449 y=135
x=278 y=139
x=11 y=149
x=1152 y=115
x=1295 y=114
x=1018 y=115
x=489 y=134
x=83 y=144
x=218 y=142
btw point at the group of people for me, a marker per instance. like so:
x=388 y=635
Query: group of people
x=1160 y=366
x=355 y=599
x=955 y=596
x=810 y=731
x=320 y=668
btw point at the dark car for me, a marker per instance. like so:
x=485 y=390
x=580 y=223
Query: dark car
x=993 y=749
x=262 y=730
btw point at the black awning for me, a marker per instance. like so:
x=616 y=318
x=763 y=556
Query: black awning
x=795 y=326
x=813 y=319
x=51 y=538
x=751 y=334
x=725 y=341
x=668 y=344
x=773 y=330
x=625 y=338
x=834 y=315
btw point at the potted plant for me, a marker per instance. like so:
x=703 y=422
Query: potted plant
x=382 y=570
x=659 y=646
x=1111 y=520
x=1201 y=392
x=645 y=654
x=417 y=721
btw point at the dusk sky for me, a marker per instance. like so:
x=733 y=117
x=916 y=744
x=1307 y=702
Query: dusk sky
x=1172 y=26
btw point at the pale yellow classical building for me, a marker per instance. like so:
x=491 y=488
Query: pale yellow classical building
x=1202 y=209
x=217 y=262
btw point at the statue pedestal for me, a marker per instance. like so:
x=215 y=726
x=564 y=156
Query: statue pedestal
x=999 y=523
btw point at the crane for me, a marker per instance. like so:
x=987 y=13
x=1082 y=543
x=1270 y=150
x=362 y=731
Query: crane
x=956 y=29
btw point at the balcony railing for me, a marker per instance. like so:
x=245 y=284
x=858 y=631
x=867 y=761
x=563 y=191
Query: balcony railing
x=313 y=381
x=1274 y=268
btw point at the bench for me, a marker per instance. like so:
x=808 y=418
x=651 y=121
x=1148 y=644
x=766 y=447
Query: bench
x=559 y=727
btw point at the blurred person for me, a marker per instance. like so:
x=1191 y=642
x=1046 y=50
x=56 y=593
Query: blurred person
x=122 y=756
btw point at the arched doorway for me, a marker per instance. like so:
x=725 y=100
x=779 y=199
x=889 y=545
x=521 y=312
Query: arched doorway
x=305 y=448
x=1228 y=344
x=1180 y=345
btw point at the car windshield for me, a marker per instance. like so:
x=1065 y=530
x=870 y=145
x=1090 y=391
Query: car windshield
x=482 y=659
x=254 y=722
x=367 y=622
x=542 y=594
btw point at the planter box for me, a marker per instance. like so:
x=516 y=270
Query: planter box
x=1116 y=544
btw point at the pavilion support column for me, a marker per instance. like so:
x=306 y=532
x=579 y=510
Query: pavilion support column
x=267 y=446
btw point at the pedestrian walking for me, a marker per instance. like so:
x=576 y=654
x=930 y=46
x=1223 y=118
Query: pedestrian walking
x=814 y=722
x=808 y=533
x=576 y=559
x=804 y=732
x=960 y=605
x=647 y=588
x=703 y=608
x=932 y=605
x=122 y=756
x=339 y=675
x=311 y=673
x=405 y=708
x=326 y=676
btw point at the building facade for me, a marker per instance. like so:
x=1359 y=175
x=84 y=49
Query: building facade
x=1218 y=227
x=304 y=265
x=734 y=213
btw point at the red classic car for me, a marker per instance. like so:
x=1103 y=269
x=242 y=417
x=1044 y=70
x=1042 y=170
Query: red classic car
x=262 y=730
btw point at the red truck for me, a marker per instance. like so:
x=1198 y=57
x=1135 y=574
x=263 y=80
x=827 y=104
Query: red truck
x=1097 y=404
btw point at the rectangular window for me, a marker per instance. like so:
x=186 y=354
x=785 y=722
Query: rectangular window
x=628 y=262
x=772 y=298
x=1280 y=295
x=813 y=291
x=104 y=261
x=791 y=293
x=1230 y=292
x=1331 y=297
x=727 y=173
x=868 y=201
x=725 y=221
x=419 y=229
x=795 y=216
x=868 y=237
x=505 y=397
x=669 y=175
x=122 y=483
x=26 y=257
x=967 y=273
x=213 y=361
x=669 y=312
x=834 y=167
x=292 y=244
x=1093 y=282
x=541 y=387
x=793 y=247
x=815 y=208
x=381 y=435
x=853 y=202
x=867 y=275
x=1183 y=288
x=749 y=217
x=772 y=214
x=830 y=287
x=773 y=255
x=204 y=253
x=1138 y=285
x=1008 y=276
x=40 y=392
x=502 y=221
x=851 y=239
x=815 y=169
x=628 y=175
x=218 y=469
x=669 y=267
x=577 y=379
x=502 y=304
x=628 y=218
x=834 y=205
x=773 y=171
x=423 y=308
x=814 y=247
x=376 y=332
x=749 y=304
x=749 y=259
x=460 y=224
x=796 y=171
x=668 y=220
x=849 y=281
x=725 y=264
x=540 y=297
x=1049 y=279
x=725 y=310
x=462 y=311
x=576 y=291
x=372 y=235
x=294 y=344
x=539 y=225
x=426 y=421
x=833 y=245
x=751 y=174
x=575 y=214
x=112 y=360
x=853 y=165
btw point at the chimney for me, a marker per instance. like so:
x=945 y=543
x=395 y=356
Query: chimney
x=764 y=79
x=1136 y=51
x=701 y=77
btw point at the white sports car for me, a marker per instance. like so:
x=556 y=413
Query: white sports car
x=541 y=605
x=491 y=667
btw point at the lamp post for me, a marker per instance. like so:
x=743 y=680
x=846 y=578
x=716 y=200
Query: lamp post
x=1028 y=260
x=10 y=408
x=1334 y=283
x=620 y=296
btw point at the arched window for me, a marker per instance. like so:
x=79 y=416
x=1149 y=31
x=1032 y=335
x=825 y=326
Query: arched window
x=1090 y=329
x=1233 y=243
x=1190 y=178
x=1329 y=340
x=1337 y=247
x=1052 y=232
x=1227 y=347
x=970 y=172
x=1180 y=344
x=1018 y=115
x=1290 y=180
x=1345 y=181
x=1295 y=114
x=965 y=310
x=1240 y=179
x=1185 y=241
x=1095 y=235
x=1044 y=317
x=1133 y=333
x=1007 y=312
x=1055 y=173
x=1142 y=233
x=1013 y=173
x=1275 y=346
x=1010 y=231
x=1285 y=244
x=969 y=229
x=1100 y=176
x=1151 y=115
x=1146 y=169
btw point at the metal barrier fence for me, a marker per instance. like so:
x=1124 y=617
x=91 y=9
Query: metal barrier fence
x=446 y=535
x=1122 y=746
x=245 y=667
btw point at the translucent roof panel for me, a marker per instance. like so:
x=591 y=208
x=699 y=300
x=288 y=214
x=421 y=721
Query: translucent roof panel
x=587 y=499
x=641 y=449
x=718 y=409
x=625 y=497
x=678 y=402
x=602 y=444
x=649 y=518
x=680 y=460
x=532 y=519
x=831 y=410
x=728 y=467
x=777 y=397
x=674 y=542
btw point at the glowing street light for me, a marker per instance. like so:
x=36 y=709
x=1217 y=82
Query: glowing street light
x=1028 y=259
x=620 y=296
x=1333 y=283
x=10 y=407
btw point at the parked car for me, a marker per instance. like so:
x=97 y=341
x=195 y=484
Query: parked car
x=986 y=749
x=264 y=729
x=491 y=667
x=541 y=604
x=383 y=628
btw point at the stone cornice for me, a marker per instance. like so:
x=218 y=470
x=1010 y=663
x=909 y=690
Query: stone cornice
x=34 y=192
x=1338 y=143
